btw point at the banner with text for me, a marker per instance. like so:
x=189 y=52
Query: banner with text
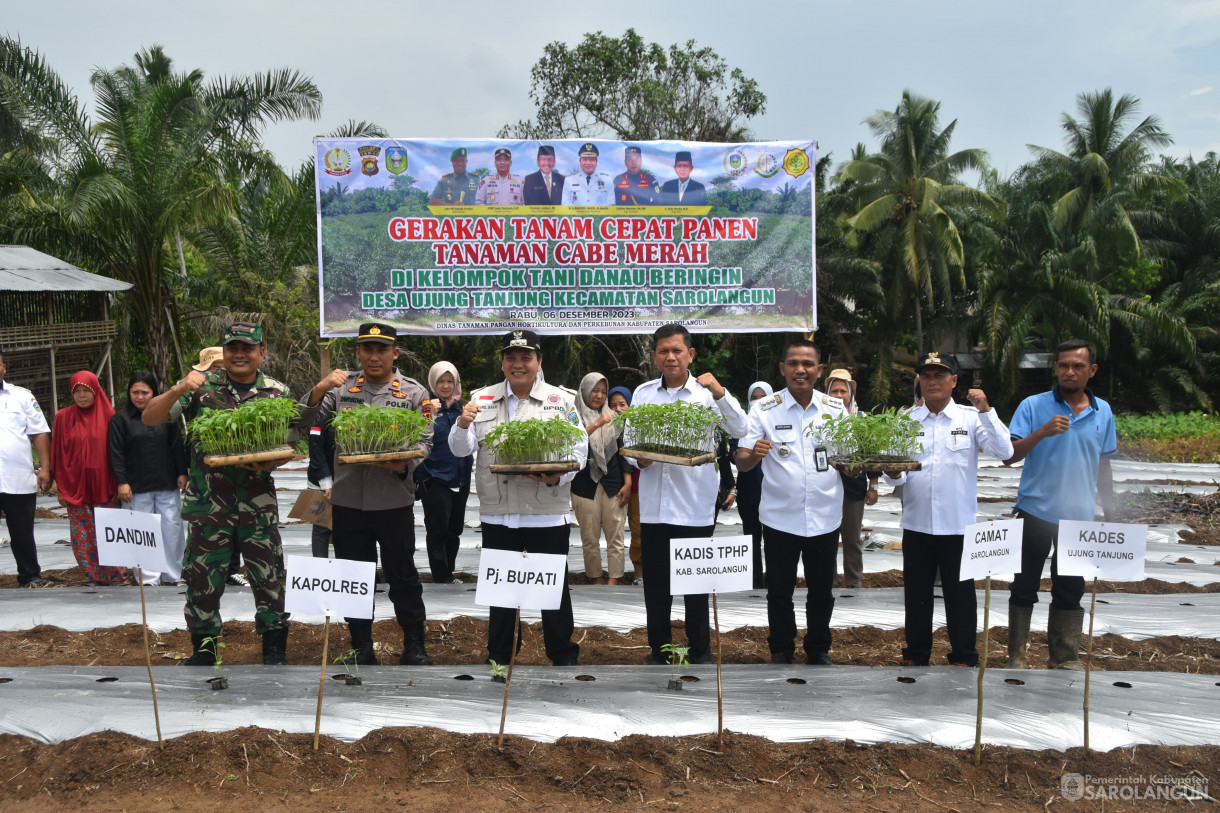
x=531 y=581
x=334 y=587
x=989 y=548
x=1102 y=549
x=129 y=539
x=721 y=564
x=487 y=235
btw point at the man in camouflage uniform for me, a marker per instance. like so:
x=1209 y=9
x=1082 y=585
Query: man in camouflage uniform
x=636 y=186
x=503 y=188
x=230 y=508
x=372 y=502
x=589 y=187
x=455 y=188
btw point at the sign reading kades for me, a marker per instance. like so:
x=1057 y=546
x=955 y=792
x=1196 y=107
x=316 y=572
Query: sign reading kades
x=531 y=581
x=334 y=587
x=711 y=565
x=1103 y=549
x=989 y=548
x=129 y=539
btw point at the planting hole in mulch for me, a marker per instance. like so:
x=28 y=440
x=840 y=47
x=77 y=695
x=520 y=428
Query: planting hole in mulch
x=10 y=680
x=797 y=681
x=906 y=680
x=1186 y=604
x=1014 y=682
x=690 y=678
x=585 y=678
x=107 y=680
x=338 y=677
x=1122 y=684
x=463 y=677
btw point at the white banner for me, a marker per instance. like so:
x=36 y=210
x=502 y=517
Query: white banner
x=722 y=564
x=1103 y=549
x=531 y=581
x=989 y=548
x=334 y=587
x=129 y=539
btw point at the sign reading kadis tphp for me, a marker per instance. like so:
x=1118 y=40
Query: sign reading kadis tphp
x=1105 y=550
x=485 y=235
x=989 y=548
x=333 y=587
x=531 y=581
x=722 y=564
x=129 y=539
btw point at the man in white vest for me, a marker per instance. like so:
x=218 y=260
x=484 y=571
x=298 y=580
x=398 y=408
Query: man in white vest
x=522 y=512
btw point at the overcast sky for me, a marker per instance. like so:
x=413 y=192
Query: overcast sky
x=1005 y=71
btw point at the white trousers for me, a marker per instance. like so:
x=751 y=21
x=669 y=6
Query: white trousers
x=169 y=505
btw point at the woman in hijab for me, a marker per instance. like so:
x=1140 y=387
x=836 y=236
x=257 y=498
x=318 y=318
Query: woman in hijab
x=601 y=489
x=149 y=464
x=857 y=492
x=80 y=463
x=749 y=494
x=443 y=480
x=620 y=402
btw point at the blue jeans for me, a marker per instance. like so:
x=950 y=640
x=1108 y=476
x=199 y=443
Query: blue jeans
x=169 y=505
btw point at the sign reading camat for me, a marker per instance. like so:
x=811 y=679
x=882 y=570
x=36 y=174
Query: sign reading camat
x=989 y=548
x=723 y=564
x=334 y=587
x=129 y=539
x=1102 y=549
x=531 y=581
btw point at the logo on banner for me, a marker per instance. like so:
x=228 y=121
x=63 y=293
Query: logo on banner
x=767 y=165
x=395 y=160
x=735 y=163
x=368 y=159
x=796 y=162
x=337 y=162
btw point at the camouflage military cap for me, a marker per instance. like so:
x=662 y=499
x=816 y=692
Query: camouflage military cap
x=246 y=332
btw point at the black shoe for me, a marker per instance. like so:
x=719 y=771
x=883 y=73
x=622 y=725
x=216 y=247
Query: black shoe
x=364 y=656
x=414 y=653
x=362 y=653
x=818 y=659
x=205 y=655
x=237 y=579
x=566 y=662
x=37 y=581
x=275 y=647
x=653 y=660
x=705 y=657
x=781 y=658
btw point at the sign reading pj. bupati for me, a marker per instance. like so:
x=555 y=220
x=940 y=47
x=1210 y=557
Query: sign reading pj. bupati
x=481 y=236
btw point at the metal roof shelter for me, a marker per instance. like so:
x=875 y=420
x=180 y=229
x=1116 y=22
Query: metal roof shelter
x=54 y=320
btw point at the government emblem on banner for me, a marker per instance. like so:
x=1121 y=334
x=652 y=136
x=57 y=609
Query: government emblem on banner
x=767 y=165
x=337 y=162
x=796 y=162
x=735 y=163
x=395 y=160
x=368 y=159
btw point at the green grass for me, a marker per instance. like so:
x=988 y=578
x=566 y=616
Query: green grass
x=1181 y=437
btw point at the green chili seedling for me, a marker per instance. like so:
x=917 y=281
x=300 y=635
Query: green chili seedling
x=370 y=429
x=535 y=440
x=677 y=658
x=255 y=426
x=679 y=428
x=887 y=436
x=498 y=671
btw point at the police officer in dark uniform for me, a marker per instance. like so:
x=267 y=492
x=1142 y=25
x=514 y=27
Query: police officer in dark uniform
x=455 y=188
x=635 y=187
x=371 y=502
x=544 y=187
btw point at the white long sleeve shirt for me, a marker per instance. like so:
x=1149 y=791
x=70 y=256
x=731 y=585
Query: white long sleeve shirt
x=796 y=497
x=20 y=419
x=942 y=497
x=683 y=495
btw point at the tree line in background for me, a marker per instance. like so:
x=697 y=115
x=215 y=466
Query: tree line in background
x=920 y=245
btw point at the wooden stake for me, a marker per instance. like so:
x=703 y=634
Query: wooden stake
x=148 y=656
x=1088 y=664
x=978 y=721
x=317 y=720
x=719 y=684
x=508 y=680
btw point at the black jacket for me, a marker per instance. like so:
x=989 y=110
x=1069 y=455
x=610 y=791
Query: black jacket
x=321 y=455
x=147 y=458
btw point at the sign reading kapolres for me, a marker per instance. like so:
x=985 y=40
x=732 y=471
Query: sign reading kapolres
x=481 y=236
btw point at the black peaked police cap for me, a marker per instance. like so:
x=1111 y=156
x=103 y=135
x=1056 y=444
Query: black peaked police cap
x=377 y=332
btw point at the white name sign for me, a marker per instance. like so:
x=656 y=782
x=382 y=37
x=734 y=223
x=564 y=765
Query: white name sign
x=334 y=587
x=1103 y=549
x=722 y=564
x=531 y=581
x=989 y=548
x=129 y=539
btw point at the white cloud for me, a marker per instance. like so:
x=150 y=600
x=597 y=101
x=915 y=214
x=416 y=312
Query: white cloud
x=1200 y=91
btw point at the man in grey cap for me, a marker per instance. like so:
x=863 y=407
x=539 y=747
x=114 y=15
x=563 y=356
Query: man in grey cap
x=503 y=188
x=544 y=187
x=371 y=502
x=589 y=187
x=682 y=191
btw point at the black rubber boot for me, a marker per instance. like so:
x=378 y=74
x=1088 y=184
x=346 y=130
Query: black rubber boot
x=275 y=647
x=1018 y=635
x=413 y=651
x=1063 y=629
x=205 y=655
x=362 y=654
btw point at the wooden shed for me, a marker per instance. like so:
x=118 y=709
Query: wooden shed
x=54 y=321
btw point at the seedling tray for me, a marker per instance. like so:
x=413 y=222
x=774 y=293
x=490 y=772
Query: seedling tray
x=219 y=461
x=683 y=457
x=557 y=467
x=854 y=467
x=383 y=457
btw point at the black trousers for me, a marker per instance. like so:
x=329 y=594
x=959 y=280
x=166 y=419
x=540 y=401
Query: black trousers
x=922 y=554
x=557 y=625
x=658 y=601
x=444 y=513
x=1039 y=537
x=357 y=535
x=751 y=525
x=319 y=540
x=19 y=516
x=820 y=555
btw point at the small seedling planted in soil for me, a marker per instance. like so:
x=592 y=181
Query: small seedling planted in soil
x=348 y=659
x=498 y=671
x=215 y=647
x=677 y=661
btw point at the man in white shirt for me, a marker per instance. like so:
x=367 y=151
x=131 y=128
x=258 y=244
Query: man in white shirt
x=678 y=502
x=22 y=422
x=802 y=502
x=522 y=512
x=938 y=502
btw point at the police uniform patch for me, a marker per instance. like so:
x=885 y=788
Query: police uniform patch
x=355 y=389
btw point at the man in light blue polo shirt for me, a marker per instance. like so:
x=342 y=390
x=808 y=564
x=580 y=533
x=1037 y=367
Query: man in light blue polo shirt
x=1066 y=438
